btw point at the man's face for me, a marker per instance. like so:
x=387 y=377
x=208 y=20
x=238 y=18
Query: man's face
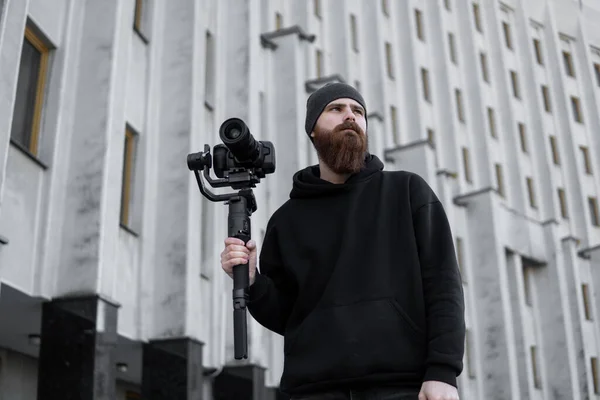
x=340 y=136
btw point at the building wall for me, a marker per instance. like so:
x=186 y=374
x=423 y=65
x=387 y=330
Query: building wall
x=173 y=86
x=18 y=376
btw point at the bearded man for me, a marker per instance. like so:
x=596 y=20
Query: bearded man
x=357 y=271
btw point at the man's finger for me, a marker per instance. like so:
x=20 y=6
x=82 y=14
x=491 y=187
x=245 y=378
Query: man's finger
x=232 y=240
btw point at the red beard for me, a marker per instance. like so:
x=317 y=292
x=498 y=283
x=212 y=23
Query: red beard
x=341 y=150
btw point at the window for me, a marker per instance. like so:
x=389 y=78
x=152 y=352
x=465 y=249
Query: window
x=534 y=366
x=477 y=17
x=459 y=105
x=141 y=19
x=593 y=205
x=568 y=64
x=587 y=165
x=576 y=106
x=469 y=354
x=137 y=18
x=527 y=285
x=278 y=21
x=595 y=374
x=209 y=74
x=31 y=85
x=562 y=198
x=465 y=154
x=515 y=84
x=554 y=148
x=500 y=180
x=530 y=189
x=538 y=51
x=491 y=121
x=389 y=58
x=419 y=22
x=484 y=67
x=585 y=292
x=452 y=47
x=597 y=68
x=430 y=136
x=425 y=80
x=523 y=136
x=507 y=37
x=317 y=10
x=384 y=7
x=459 y=256
x=127 y=182
x=319 y=61
x=207 y=227
x=394 y=118
x=546 y=96
x=353 y=32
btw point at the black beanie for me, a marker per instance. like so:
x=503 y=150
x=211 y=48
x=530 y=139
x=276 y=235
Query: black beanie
x=318 y=100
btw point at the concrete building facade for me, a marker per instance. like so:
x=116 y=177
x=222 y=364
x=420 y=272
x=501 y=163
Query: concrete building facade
x=110 y=279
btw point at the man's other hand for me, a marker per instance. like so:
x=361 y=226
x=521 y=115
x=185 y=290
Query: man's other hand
x=434 y=390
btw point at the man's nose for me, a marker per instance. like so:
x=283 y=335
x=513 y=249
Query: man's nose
x=349 y=115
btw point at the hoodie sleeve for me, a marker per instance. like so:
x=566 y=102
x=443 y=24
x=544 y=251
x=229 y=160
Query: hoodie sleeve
x=272 y=295
x=442 y=289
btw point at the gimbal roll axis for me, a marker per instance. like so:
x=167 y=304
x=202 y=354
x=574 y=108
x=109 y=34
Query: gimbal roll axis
x=241 y=162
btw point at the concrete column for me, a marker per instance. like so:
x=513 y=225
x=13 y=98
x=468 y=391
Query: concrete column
x=289 y=100
x=515 y=271
x=13 y=14
x=90 y=225
x=417 y=157
x=176 y=290
x=486 y=280
x=376 y=72
x=566 y=258
x=554 y=293
x=241 y=382
x=172 y=357
x=76 y=358
x=172 y=370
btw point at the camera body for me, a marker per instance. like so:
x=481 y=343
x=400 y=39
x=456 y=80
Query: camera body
x=241 y=161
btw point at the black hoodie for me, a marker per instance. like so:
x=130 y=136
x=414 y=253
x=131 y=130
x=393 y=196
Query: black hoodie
x=361 y=278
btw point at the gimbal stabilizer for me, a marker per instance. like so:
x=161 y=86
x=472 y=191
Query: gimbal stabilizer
x=240 y=163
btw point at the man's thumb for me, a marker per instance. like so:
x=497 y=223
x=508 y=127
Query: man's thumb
x=251 y=245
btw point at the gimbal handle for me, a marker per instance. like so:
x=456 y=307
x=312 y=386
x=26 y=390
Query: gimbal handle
x=239 y=227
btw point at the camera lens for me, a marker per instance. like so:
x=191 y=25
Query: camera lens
x=236 y=136
x=234 y=133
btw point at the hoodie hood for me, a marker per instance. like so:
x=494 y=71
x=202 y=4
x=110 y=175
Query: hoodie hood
x=308 y=183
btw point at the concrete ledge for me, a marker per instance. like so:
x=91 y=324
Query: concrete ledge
x=447 y=173
x=266 y=39
x=314 y=84
x=585 y=253
x=375 y=115
x=387 y=152
x=463 y=199
x=571 y=238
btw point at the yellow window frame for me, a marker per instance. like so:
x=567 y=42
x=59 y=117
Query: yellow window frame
x=39 y=45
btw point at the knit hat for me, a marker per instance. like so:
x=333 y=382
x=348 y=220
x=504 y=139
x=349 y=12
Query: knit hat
x=317 y=102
